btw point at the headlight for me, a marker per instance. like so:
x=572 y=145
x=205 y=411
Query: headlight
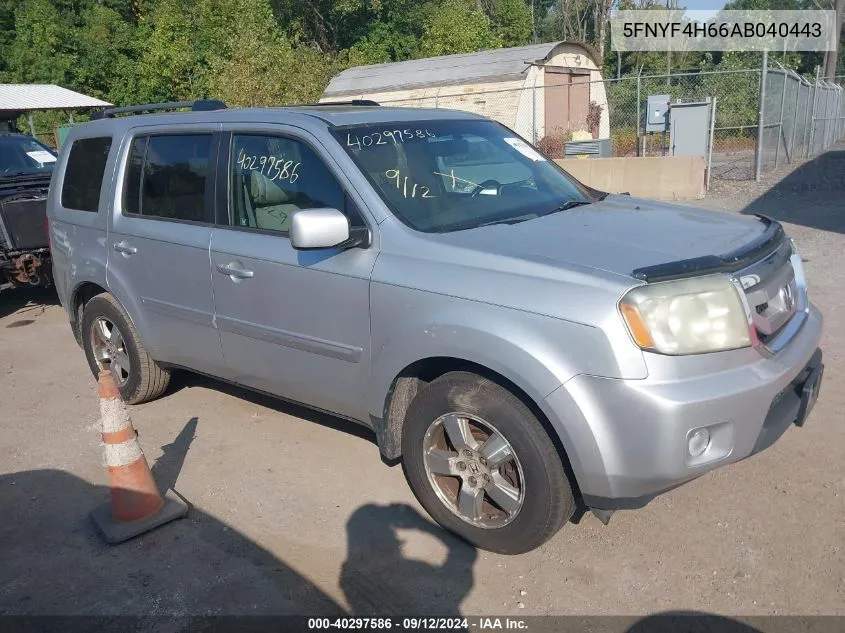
x=687 y=316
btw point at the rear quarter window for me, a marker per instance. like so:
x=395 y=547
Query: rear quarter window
x=83 y=178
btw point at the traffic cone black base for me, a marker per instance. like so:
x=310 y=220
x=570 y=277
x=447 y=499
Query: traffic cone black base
x=119 y=531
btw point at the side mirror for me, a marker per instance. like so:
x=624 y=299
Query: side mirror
x=323 y=228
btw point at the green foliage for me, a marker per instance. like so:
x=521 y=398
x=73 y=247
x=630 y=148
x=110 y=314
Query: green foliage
x=41 y=50
x=456 y=26
x=255 y=61
x=511 y=22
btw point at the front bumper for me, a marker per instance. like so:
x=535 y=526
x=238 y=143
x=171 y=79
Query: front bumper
x=627 y=439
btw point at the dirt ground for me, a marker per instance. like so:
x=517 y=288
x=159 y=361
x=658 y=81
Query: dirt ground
x=294 y=512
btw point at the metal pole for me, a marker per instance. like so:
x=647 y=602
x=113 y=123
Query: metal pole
x=780 y=123
x=805 y=140
x=813 y=117
x=639 y=124
x=758 y=166
x=710 y=150
x=31 y=124
x=790 y=156
x=534 y=112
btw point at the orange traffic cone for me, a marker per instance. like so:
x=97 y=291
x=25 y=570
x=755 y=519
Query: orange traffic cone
x=136 y=503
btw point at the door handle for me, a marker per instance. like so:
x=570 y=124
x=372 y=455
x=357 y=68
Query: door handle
x=235 y=270
x=123 y=247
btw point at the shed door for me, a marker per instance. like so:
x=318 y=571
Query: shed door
x=567 y=99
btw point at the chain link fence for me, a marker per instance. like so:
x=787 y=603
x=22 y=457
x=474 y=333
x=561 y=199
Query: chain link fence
x=800 y=118
x=794 y=118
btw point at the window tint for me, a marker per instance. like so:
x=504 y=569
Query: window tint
x=83 y=179
x=21 y=155
x=166 y=176
x=273 y=177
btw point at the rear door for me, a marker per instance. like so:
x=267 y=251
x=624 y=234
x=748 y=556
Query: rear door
x=293 y=323
x=158 y=245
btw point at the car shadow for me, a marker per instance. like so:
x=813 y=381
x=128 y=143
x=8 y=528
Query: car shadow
x=811 y=195
x=183 y=379
x=690 y=622
x=27 y=302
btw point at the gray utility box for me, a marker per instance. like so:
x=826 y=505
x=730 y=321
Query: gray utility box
x=599 y=148
x=689 y=128
x=657 y=111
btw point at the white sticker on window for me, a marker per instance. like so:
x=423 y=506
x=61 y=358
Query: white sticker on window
x=42 y=156
x=524 y=148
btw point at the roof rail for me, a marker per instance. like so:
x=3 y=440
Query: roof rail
x=354 y=102
x=200 y=105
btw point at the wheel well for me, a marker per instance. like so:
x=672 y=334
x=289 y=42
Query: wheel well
x=82 y=295
x=417 y=375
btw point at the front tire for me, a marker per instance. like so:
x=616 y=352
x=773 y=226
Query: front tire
x=111 y=342
x=482 y=465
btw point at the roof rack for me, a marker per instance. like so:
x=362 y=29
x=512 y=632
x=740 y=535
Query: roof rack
x=354 y=102
x=200 y=105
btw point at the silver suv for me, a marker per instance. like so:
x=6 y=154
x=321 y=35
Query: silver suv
x=526 y=345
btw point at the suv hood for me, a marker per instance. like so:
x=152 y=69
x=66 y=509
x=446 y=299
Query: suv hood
x=618 y=234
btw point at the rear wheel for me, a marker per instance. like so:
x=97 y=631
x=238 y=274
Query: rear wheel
x=483 y=466
x=111 y=342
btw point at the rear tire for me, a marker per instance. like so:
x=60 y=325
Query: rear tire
x=521 y=467
x=111 y=342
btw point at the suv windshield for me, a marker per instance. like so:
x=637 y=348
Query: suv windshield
x=23 y=155
x=440 y=176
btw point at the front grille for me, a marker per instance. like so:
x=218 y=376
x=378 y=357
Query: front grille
x=773 y=293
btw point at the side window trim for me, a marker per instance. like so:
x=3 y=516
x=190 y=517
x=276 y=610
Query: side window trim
x=210 y=178
x=225 y=212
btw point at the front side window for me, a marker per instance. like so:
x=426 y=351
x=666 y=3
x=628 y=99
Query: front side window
x=166 y=176
x=272 y=177
x=86 y=165
x=441 y=176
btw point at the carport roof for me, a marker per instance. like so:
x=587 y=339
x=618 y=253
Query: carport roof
x=447 y=70
x=23 y=97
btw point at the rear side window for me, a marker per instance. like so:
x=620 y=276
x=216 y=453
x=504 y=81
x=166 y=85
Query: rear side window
x=83 y=180
x=166 y=177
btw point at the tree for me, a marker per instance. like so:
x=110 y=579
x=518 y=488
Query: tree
x=41 y=51
x=510 y=22
x=456 y=26
x=832 y=57
x=255 y=62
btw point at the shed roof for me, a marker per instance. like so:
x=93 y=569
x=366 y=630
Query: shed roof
x=23 y=97
x=501 y=63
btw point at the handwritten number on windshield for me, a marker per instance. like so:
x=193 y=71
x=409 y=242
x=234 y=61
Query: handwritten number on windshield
x=406 y=186
x=381 y=137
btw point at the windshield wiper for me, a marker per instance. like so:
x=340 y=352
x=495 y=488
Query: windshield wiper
x=569 y=204
x=514 y=220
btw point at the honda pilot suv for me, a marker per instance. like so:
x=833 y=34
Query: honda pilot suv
x=525 y=344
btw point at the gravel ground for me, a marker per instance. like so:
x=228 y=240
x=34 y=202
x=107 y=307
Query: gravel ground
x=294 y=512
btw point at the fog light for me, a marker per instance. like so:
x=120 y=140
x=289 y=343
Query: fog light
x=698 y=442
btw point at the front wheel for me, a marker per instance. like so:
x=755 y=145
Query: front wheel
x=483 y=466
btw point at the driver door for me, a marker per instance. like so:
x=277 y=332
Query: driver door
x=292 y=323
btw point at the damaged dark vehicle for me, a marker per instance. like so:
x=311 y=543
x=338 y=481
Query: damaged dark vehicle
x=26 y=166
